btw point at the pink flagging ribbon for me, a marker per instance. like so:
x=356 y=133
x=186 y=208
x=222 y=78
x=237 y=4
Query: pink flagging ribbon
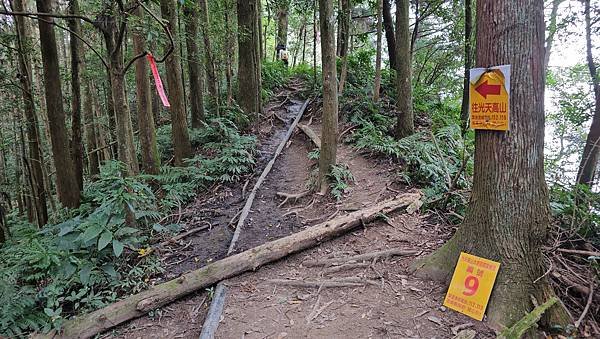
x=159 y=85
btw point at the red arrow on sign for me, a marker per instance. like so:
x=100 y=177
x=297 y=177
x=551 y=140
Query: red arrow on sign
x=484 y=89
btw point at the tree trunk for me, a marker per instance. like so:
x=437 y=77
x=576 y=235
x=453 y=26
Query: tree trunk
x=282 y=22
x=90 y=131
x=314 y=43
x=390 y=36
x=33 y=135
x=509 y=211
x=464 y=111
x=211 y=74
x=76 y=139
x=377 y=86
x=345 y=14
x=147 y=135
x=196 y=76
x=591 y=150
x=249 y=92
x=552 y=28
x=66 y=180
x=181 y=138
x=230 y=51
x=111 y=112
x=126 y=148
x=329 y=131
x=405 y=122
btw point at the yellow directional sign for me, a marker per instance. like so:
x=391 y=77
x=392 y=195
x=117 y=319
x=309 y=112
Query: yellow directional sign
x=489 y=98
x=471 y=285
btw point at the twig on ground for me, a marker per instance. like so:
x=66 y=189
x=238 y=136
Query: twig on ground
x=289 y=196
x=587 y=305
x=346 y=131
x=361 y=257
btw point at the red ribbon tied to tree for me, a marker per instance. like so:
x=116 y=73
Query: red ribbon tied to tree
x=159 y=85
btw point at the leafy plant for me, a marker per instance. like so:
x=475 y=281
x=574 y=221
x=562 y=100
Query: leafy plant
x=340 y=177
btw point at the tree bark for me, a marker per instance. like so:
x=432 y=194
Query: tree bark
x=124 y=128
x=405 y=120
x=508 y=213
x=377 y=85
x=591 y=150
x=329 y=130
x=249 y=91
x=181 y=139
x=230 y=47
x=139 y=304
x=145 y=115
x=211 y=74
x=390 y=36
x=345 y=13
x=90 y=130
x=283 y=7
x=33 y=135
x=464 y=110
x=196 y=76
x=76 y=138
x=66 y=180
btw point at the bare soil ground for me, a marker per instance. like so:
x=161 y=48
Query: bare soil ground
x=392 y=304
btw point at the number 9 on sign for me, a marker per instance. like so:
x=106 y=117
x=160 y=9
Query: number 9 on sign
x=471 y=285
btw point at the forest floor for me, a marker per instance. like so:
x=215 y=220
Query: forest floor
x=398 y=305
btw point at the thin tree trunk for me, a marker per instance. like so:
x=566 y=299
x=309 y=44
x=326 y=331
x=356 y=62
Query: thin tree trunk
x=345 y=18
x=111 y=112
x=90 y=130
x=211 y=74
x=390 y=36
x=147 y=135
x=248 y=81
x=33 y=135
x=552 y=28
x=314 y=43
x=377 y=86
x=196 y=76
x=509 y=211
x=591 y=150
x=304 y=42
x=181 y=139
x=117 y=80
x=66 y=180
x=231 y=53
x=282 y=22
x=329 y=131
x=464 y=111
x=405 y=122
x=76 y=138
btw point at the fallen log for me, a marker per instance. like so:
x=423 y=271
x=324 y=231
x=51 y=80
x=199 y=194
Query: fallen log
x=311 y=135
x=134 y=306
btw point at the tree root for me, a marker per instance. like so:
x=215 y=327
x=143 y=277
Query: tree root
x=289 y=196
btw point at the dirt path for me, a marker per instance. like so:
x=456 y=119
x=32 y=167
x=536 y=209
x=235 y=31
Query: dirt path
x=397 y=306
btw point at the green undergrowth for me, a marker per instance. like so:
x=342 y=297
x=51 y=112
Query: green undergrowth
x=92 y=256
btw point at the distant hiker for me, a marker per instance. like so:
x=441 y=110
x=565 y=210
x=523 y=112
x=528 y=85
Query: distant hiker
x=282 y=54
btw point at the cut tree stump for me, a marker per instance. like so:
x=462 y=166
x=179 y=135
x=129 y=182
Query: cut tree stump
x=136 y=305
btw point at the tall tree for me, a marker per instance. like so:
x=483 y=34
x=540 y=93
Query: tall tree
x=329 y=132
x=552 y=29
x=405 y=120
x=66 y=180
x=344 y=43
x=211 y=73
x=591 y=150
x=90 y=129
x=283 y=7
x=377 y=85
x=76 y=134
x=190 y=11
x=147 y=131
x=33 y=135
x=249 y=92
x=390 y=36
x=181 y=139
x=464 y=110
x=508 y=215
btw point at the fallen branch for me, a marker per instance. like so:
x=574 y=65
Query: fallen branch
x=587 y=305
x=359 y=258
x=136 y=305
x=311 y=135
x=176 y=238
x=289 y=196
x=580 y=252
x=323 y=283
x=527 y=322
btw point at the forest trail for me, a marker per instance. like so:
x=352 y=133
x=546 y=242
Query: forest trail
x=391 y=304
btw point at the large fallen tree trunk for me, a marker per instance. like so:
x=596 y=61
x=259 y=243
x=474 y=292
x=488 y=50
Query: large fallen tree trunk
x=311 y=135
x=137 y=305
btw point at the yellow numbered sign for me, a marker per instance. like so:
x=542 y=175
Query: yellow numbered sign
x=471 y=285
x=489 y=98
